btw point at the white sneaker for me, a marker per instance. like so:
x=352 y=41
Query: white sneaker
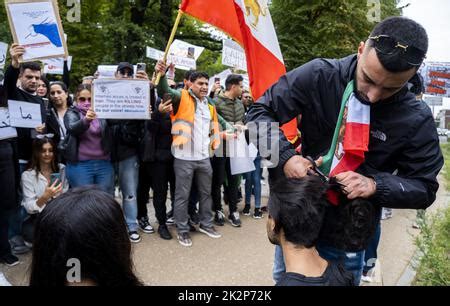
x=366 y=279
x=134 y=237
x=3 y=281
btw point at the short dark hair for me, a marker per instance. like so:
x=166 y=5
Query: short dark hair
x=187 y=75
x=406 y=31
x=417 y=86
x=87 y=224
x=197 y=75
x=297 y=206
x=34 y=66
x=233 y=79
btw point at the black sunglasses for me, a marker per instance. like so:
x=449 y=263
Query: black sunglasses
x=388 y=45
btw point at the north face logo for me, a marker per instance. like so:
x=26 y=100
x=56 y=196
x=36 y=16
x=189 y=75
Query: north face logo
x=378 y=135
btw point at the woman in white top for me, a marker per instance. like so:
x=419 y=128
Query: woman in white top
x=41 y=182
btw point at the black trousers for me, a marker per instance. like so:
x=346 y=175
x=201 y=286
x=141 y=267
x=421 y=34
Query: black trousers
x=156 y=175
x=221 y=169
x=8 y=191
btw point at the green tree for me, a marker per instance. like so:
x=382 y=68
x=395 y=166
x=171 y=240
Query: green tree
x=322 y=28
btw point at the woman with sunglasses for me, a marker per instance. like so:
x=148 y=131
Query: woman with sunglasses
x=88 y=145
x=43 y=180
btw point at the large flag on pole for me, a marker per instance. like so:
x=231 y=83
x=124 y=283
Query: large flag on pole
x=249 y=23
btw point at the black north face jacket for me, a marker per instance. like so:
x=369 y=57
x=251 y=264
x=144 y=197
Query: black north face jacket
x=403 y=137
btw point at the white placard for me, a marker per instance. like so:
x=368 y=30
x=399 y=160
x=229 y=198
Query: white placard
x=24 y=114
x=6 y=131
x=3 y=52
x=184 y=49
x=36 y=26
x=233 y=55
x=121 y=99
x=109 y=71
x=241 y=155
x=56 y=65
x=183 y=63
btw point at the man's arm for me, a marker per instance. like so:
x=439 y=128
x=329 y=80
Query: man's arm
x=12 y=72
x=282 y=102
x=163 y=87
x=416 y=184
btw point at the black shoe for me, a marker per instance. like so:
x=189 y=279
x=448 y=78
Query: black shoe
x=219 y=218
x=257 y=214
x=192 y=227
x=164 y=233
x=9 y=260
x=246 y=211
x=145 y=226
x=264 y=209
x=210 y=231
x=234 y=219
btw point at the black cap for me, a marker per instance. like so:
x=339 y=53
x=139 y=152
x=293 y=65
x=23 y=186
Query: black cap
x=124 y=65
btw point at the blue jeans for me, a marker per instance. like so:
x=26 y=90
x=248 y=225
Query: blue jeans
x=17 y=215
x=128 y=173
x=370 y=255
x=91 y=172
x=353 y=262
x=253 y=180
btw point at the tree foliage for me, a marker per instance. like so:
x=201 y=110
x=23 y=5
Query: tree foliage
x=323 y=28
x=120 y=30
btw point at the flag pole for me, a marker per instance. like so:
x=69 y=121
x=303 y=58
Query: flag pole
x=172 y=36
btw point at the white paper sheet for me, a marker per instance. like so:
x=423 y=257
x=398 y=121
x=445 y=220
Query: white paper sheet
x=24 y=114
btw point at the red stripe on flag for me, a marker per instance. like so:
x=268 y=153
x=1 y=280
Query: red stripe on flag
x=356 y=137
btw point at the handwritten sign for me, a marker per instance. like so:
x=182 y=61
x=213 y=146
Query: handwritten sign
x=37 y=27
x=233 y=55
x=56 y=65
x=181 y=62
x=24 y=114
x=121 y=99
x=437 y=79
x=3 y=50
x=6 y=131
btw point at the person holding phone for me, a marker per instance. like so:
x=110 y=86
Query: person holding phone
x=43 y=181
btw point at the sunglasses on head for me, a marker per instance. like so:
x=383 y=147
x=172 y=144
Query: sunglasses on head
x=83 y=99
x=42 y=136
x=388 y=45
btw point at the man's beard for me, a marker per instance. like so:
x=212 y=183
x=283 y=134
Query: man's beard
x=273 y=238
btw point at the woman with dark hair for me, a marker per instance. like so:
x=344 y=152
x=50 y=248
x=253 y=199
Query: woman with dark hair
x=41 y=182
x=60 y=101
x=43 y=87
x=88 y=145
x=93 y=235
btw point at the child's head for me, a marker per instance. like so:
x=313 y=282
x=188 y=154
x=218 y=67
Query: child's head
x=296 y=211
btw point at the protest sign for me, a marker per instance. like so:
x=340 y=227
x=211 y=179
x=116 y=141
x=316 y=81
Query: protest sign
x=6 y=131
x=183 y=63
x=437 y=79
x=121 y=99
x=109 y=71
x=24 y=114
x=183 y=49
x=233 y=55
x=3 y=51
x=241 y=155
x=56 y=65
x=36 y=25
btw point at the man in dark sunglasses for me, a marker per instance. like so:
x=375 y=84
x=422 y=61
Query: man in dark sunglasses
x=399 y=132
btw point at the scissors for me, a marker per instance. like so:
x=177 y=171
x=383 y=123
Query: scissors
x=331 y=181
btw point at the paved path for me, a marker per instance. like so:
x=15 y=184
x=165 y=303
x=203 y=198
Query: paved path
x=244 y=256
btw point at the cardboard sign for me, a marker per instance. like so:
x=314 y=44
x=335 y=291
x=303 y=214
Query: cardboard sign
x=121 y=99
x=56 y=65
x=36 y=25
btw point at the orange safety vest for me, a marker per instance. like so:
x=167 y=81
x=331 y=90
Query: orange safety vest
x=183 y=122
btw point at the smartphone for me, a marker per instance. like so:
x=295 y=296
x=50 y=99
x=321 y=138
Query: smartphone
x=54 y=177
x=45 y=103
x=166 y=97
x=141 y=66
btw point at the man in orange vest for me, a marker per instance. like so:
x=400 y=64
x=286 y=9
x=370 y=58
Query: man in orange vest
x=195 y=130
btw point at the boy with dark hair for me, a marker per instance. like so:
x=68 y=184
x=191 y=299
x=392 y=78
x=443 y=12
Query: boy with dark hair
x=296 y=213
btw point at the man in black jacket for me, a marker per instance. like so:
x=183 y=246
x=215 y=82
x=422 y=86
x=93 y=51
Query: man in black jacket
x=403 y=136
x=28 y=75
